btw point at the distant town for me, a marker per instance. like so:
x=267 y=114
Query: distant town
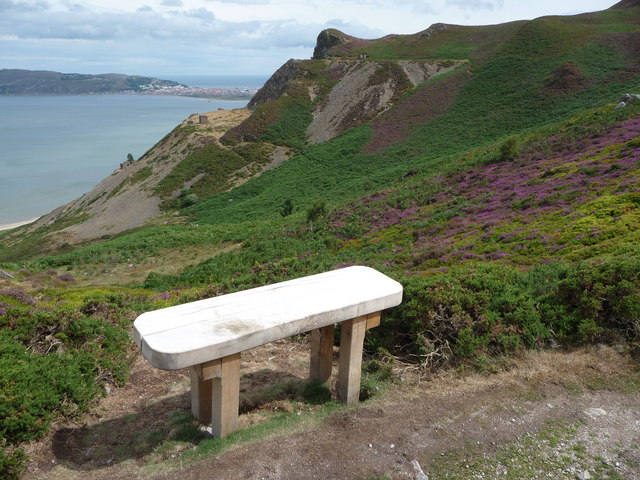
x=185 y=91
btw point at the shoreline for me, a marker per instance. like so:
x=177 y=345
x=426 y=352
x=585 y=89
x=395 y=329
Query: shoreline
x=10 y=226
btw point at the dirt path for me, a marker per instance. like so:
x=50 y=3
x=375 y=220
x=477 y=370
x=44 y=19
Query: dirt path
x=595 y=390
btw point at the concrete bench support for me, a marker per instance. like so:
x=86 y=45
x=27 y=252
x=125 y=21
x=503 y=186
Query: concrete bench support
x=209 y=335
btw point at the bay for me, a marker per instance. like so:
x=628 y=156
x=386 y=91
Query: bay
x=55 y=148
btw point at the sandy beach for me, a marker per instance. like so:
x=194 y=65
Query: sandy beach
x=9 y=226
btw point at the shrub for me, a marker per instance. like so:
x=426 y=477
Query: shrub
x=286 y=208
x=189 y=200
x=510 y=149
x=53 y=362
x=316 y=211
x=11 y=461
x=470 y=312
x=593 y=296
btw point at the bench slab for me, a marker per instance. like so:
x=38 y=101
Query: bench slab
x=198 y=332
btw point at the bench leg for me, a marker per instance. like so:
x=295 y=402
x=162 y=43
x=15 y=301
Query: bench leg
x=321 y=354
x=351 y=343
x=226 y=397
x=200 y=396
x=215 y=394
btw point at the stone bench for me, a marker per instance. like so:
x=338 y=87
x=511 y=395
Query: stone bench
x=209 y=335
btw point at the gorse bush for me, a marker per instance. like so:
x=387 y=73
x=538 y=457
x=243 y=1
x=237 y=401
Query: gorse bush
x=316 y=211
x=510 y=149
x=286 y=208
x=495 y=310
x=54 y=361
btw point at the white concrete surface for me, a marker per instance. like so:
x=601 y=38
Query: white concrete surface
x=205 y=330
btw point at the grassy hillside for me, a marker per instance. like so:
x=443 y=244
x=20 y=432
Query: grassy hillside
x=503 y=195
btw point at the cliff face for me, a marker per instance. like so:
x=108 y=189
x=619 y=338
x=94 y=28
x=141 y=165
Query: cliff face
x=367 y=89
x=345 y=84
x=327 y=39
x=277 y=84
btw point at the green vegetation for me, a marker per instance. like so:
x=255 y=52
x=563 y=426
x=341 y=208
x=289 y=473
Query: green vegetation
x=58 y=349
x=290 y=128
x=504 y=199
x=207 y=168
x=141 y=175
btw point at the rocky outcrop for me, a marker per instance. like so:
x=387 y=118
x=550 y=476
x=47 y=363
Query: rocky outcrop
x=367 y=89
x=277 y=84
x=433 y=30
x=626 y=99
x=418 y=72
x=356 y=96
x=327 y=39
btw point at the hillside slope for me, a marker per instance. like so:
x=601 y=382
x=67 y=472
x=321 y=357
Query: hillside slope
x=187 y=163
x=362 y=113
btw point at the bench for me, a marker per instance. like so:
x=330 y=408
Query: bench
x=209 y=335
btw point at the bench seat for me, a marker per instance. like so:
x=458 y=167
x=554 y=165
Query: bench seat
x=209 y=334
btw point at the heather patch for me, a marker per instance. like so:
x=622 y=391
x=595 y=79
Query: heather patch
x=545 y=205
x=431 y=99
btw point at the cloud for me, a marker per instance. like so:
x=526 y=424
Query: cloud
x=242 y=2
x=182 y=26
x=221 y=36
x=477 y=4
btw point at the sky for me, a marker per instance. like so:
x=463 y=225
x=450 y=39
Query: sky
x=171 y=38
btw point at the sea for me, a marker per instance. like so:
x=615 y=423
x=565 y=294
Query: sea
x=54 y=148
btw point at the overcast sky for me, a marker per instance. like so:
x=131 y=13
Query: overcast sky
x=223 y=37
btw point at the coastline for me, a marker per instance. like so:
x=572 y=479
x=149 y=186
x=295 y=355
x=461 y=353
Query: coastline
x=9 y=226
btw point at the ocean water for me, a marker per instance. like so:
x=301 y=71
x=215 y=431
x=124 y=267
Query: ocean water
x=55 y=148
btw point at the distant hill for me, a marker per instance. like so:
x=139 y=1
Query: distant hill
x=42 y=82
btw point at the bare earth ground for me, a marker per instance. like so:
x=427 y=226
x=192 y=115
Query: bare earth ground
x=418 y=419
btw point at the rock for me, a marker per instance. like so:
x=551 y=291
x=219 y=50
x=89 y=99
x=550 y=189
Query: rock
x=435 y=28
x=277 y=84
x=626 y=99
x=4 y=274
x=327 y=39
x=595 y=412
x=630 y=97
x=419 y=473
x=584 y=475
